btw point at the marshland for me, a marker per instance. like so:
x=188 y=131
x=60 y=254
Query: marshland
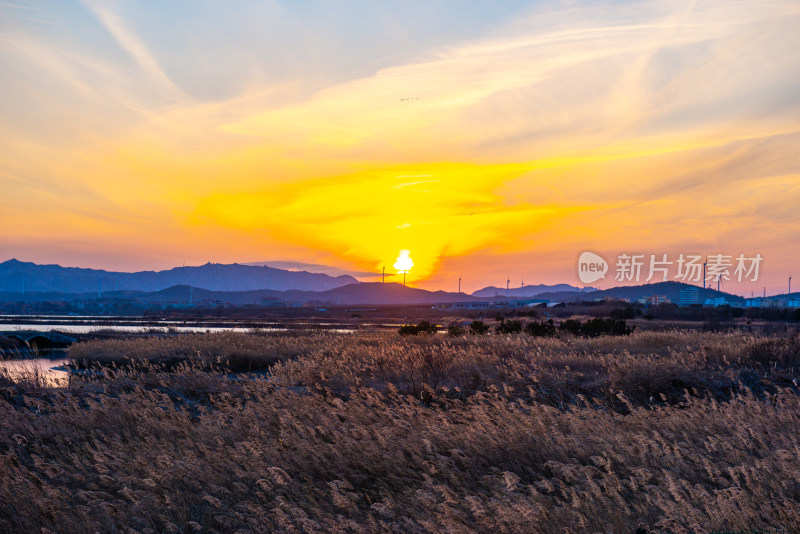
x=372 y=431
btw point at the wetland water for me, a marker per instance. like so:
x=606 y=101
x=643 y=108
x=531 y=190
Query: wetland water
x=17 y=364
x=47 y=371
x=84 y=324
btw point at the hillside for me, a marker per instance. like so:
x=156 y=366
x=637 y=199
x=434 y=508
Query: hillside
x=671 y=290
x=372 y=293
x=530 y=290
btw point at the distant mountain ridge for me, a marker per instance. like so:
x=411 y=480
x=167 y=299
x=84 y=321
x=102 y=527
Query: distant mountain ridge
x=671 y=290
x=244 y=284
x=17 y=276
x=529 y=290
x=362 y=293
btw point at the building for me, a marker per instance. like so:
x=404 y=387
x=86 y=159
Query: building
x=761 y=302
x=793 y=303
x=497 y=303
x=689 y=296
x=519 y=303
x=718 y=301
x=654 y=300
x=463 y=305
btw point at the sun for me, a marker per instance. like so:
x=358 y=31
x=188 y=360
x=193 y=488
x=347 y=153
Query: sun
x=404 y=262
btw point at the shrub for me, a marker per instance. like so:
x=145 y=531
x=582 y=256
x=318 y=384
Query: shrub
x=573 y=326
x=542 y=329
x=478 y=328
x=509 y=327
x=408 y=330
x=421 y=328
x=611 y=327
x=623 y=313
x=455 y=330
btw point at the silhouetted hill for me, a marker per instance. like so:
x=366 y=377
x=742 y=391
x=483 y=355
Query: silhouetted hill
x=364 y=293
x=18 y=276
x=671 y=290
x=379 y=293
x=360 y=293
x=530 y=290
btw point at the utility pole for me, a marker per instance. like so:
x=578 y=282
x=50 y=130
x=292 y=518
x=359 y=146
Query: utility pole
x=459 y=283
x=383 y=276
x=508 y=281
x=790 y=284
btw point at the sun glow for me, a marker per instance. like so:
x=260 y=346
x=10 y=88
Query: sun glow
x=404 y=262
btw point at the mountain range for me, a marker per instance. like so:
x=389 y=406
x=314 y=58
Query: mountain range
x=363 y=293
x=246 y=284
x=18 y=276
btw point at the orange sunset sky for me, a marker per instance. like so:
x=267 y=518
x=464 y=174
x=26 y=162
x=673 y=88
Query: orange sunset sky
x=488 y=140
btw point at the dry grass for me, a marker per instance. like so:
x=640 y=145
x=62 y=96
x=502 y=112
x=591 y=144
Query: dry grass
x=375 y=433
x=234 y=351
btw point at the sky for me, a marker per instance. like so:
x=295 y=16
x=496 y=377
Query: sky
x=494 y=141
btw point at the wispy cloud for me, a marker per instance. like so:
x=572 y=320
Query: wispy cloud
x=576 y=124
x=133 y=45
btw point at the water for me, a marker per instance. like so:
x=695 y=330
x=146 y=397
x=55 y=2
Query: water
x=86 y=328
x=41 y=370
x=82 y=324
x=48 y=372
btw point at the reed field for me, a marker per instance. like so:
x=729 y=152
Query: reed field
x=666 y=431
